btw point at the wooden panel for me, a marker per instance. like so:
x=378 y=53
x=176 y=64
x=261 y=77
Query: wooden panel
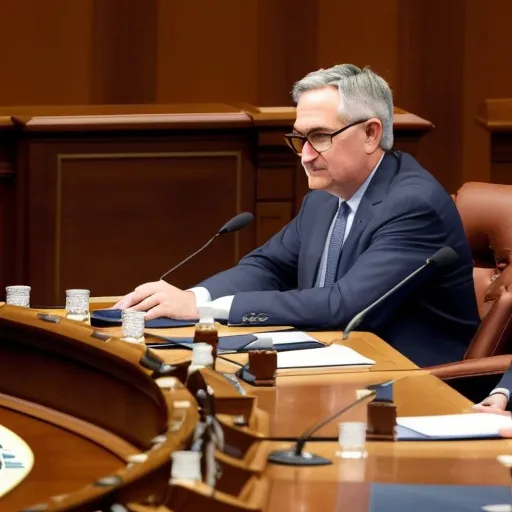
x=207 y=50
x=94 y=51
x=488 y=74
x=48 y=61
x=7 y=230
x=275 y=183
x=270 y=218
x=284 y=54
x=371 y=43
x=430 y=75
x=8 y=214
x=124 y=51
x=112 y=213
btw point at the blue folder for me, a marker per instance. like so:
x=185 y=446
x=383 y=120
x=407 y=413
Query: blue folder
x=113 y=317
x=438 y=498
x=227 y=344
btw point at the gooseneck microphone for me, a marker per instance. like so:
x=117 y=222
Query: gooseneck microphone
x=297 y=456
x=442 y=258
x=236 y=223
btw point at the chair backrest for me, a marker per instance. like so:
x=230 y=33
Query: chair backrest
x=486 y=212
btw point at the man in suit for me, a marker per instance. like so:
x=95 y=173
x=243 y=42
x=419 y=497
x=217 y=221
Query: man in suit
x=372 y=217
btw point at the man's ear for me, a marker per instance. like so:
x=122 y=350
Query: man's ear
x=373 y=131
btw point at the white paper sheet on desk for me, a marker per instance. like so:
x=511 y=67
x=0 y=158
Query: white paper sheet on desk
x=286 y=337
x=333 y=355
x=464 y=425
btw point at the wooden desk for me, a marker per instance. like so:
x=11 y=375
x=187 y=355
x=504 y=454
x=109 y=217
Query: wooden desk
x=96 y=196
x=300 y=401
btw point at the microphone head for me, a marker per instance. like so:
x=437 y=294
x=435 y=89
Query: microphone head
x=444 y=257
x=201 y=395
x=237 y=222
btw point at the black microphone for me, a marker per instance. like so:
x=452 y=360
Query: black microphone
x=442 y=258
x=237 y=222
x=297 y=456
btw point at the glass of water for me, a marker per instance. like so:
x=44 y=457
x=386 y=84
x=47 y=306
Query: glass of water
x=77 y=305
x=133 y=326
x=18 y=296
x=352 y=440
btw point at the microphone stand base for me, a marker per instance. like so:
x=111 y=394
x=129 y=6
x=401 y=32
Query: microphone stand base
x=290 y=458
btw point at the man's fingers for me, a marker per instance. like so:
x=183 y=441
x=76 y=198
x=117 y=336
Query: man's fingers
x=490 y=410
x=125 y=302
x=155 y=312
x=148 y=303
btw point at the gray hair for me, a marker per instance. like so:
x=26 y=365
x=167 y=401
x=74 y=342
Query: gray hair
x=363 y=94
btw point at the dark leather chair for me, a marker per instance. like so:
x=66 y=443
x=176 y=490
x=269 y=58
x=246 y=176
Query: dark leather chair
x=486 y=212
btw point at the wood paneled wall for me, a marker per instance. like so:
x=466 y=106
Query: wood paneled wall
x=442 y=58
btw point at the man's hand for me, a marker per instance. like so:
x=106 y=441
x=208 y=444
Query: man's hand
x=495 y=404
x=161 y=299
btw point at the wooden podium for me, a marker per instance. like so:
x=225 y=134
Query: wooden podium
x=108 y=197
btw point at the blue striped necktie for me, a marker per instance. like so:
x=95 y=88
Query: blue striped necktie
x=336 y=243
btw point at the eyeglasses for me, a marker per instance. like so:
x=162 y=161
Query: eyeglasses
x=320 y=141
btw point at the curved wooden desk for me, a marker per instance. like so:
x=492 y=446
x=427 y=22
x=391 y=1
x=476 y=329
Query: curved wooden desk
x=294 y=404
x=102 y=418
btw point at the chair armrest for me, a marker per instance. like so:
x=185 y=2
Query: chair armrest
x=495 y=331
x=494 y=365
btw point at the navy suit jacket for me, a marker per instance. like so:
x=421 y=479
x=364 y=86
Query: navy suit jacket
x=506 y=382
x=404 y=217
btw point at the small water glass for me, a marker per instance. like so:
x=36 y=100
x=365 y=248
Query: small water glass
x=18 y=296
x=133 y=326
x=77 y=305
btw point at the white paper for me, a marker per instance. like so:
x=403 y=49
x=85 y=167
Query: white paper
x=287 y=337
x=463 y=425
x=333 y=355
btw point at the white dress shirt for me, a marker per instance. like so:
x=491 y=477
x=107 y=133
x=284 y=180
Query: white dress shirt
x=221 y=307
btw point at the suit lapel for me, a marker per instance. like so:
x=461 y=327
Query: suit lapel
x=375 y=193
x=318 y=238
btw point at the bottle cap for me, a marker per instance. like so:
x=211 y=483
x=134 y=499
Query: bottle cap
x=186 y=465
x=201 y=354
x=205 y=315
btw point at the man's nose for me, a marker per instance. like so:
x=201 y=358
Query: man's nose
x=308 y=153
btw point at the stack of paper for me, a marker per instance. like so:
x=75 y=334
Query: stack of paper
x=286 y=340
x=320 y=360
x=454 y=426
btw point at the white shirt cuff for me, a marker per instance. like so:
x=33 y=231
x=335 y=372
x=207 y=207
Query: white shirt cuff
x=220 y=307
x=503 y=391
x=202 y=294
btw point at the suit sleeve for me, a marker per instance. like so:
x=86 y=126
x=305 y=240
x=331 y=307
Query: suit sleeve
x=506 y=380
x=273 y=266
x=411 y=233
